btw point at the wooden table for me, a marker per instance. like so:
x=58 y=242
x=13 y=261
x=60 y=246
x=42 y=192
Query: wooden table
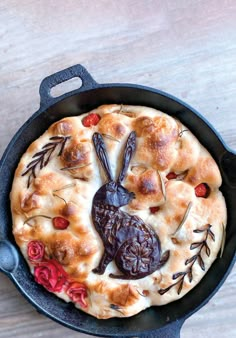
x=187 y=48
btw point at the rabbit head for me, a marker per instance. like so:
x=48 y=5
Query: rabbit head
x=113 y=193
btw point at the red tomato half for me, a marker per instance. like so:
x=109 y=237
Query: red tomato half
x=91 y=120
x=60 y=223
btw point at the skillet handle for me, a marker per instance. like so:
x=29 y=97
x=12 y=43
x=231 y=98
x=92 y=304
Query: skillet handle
x=62 y=76
x=9 y=258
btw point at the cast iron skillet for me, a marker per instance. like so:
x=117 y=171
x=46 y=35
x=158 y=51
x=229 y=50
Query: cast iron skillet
x=164 y=321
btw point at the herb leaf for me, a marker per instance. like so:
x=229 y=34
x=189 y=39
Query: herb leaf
x=201 y=263
x=207 y=249
x=180 y=286
x=42 y=157
x=195 y=245
x=212 y=235
x=190 y=275
x=190 y=260
x=178 y=274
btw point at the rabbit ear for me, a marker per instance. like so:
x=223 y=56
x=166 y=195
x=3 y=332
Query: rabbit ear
x=128 y=153
x=102 y=154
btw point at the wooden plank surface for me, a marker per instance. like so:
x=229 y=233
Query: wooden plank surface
x=187 y=48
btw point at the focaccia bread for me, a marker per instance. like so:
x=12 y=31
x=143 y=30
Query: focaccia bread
x=118 y=210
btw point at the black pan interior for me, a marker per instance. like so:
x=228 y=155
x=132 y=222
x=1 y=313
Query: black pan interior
x=156 y=317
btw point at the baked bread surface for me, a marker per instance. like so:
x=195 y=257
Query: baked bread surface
x=51 y=203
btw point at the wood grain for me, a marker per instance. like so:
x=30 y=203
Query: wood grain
x=187 y=48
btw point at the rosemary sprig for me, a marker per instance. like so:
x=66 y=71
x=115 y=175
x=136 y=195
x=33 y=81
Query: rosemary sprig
x=183 y=219
x=223 y=240
x=41 y=158
x=117 y=308
x=163 y=187
x=32 y=217
x=65 y=187
x=127 y=113
x=111 y=137
x=55 y=195
x=121 y=109
x=192 y=260
x=142 y=294
x=182 y=131
x=76 y=167
x=84 y=179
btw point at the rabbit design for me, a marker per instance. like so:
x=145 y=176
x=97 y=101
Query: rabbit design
x=133 y=245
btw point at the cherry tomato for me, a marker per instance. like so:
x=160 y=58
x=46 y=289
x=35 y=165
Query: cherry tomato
x=171 y=176
x=202 y=190
x=60 y=223
x=153 y=210
x=91 y=120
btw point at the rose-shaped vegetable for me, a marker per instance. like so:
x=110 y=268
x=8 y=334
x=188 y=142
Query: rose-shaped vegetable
x=51 y=275
x=77 y=293
x=35 y=250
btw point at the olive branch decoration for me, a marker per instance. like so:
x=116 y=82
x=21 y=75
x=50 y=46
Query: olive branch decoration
x=191 y=261
x=41 y=158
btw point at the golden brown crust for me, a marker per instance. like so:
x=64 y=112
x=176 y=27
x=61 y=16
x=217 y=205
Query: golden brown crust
x=158 y=138
x=147 y=188
x=168 y=165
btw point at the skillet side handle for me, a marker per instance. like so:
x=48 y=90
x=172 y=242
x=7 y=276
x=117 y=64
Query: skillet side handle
x=170 y=331
x=9 y=258
x=53 y=80
x=228 y=165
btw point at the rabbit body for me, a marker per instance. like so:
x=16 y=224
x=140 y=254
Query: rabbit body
x=133 y=245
